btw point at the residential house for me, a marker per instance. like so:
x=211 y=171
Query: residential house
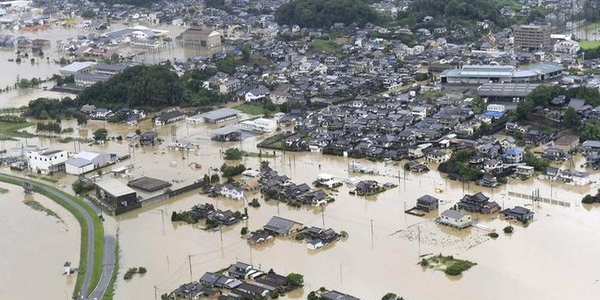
x=240 y=270
x=148 y=138
x=282 y=227
x=493 y=166
x=567 y=142
x=551 y=173
x=335 y=295
x=478 y=203
x=513 y=155
x=455 y=219
x=230 y=86
x=193 y=291
x=524 y=171
x=250 y=291
x=280 y=95
x=259 y=93
x=517 y=213
x=437 y=156
x=590 y=146
x=274 y=281
x=169 y=116
x=427 y=203
x=555 y=154
x=581 y=178
x=229 y=191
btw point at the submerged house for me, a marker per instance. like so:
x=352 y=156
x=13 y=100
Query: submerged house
x=518 y=213
x=478 y=203
x=427 y=203
x=455 y=219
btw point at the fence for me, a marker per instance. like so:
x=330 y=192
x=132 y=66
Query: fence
x=540 y=199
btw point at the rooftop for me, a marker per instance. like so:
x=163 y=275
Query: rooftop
x=148 y=184
x=114 y=187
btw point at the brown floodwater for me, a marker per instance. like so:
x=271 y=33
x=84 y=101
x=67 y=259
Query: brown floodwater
x=34 y=248
x=381 y=253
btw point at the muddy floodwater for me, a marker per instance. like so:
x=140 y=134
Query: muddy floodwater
x=34 y=247
x=554 y=257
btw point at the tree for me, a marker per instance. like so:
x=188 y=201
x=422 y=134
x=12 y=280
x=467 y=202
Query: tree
x=295 y=280
x=478 y=105
x=233 y=154
x=246 y=53
x=100 y=134
x=589 y=131
x=571 y=119
x=214 y=178
x=392 y=296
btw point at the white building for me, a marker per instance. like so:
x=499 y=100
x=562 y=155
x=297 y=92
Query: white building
x=259 y=125
x=256 y=94
x=87 y=161
x=496 y=107
x=455 y=219
x=47 y=161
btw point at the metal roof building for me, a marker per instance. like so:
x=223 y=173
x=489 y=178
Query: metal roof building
x=512 y=92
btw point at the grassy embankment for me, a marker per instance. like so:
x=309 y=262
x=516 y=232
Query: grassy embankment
x=10 y=131
x=98 y=238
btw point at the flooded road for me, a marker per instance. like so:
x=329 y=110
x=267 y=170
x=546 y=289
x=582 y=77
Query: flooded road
x=34 y=248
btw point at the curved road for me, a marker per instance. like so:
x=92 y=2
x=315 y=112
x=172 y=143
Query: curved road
x=108 y=259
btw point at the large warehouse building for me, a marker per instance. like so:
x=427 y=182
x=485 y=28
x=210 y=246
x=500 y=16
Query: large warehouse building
x=470 y=74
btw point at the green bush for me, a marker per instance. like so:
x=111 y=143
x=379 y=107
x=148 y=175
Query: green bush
x=508 y=229
x=493 y=235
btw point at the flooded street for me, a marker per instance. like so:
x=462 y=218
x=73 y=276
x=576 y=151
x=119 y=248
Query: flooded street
x=34 y=247
x=365 y=265
x=45 y=67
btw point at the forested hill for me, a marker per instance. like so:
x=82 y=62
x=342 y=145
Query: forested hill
x=323 y=14
x=457 y=12
x=139 y=86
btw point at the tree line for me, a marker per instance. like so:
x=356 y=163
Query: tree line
x=323 y=14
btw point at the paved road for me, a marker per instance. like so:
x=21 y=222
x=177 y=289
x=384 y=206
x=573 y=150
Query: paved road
x=108 y=261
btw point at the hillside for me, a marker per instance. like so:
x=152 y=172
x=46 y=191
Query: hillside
x=323 y=14
x=457 y=12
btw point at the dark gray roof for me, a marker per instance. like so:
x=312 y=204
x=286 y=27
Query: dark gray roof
x=506 y=89
x=221 y=113
x=335 y=295
x=280 y=225
x=428 y=199
x=453 y=214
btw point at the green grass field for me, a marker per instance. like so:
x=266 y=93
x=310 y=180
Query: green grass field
x=587 y=45
x=251 y=108
x=330 y=47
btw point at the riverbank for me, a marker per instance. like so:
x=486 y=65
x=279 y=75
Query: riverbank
x=92 y=232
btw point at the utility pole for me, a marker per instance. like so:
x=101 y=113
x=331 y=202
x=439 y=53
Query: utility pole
x=323 y=214
x=372 y=239
x=341 y=278
x=155 y=293
x=419 y=238
x=190 y=263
